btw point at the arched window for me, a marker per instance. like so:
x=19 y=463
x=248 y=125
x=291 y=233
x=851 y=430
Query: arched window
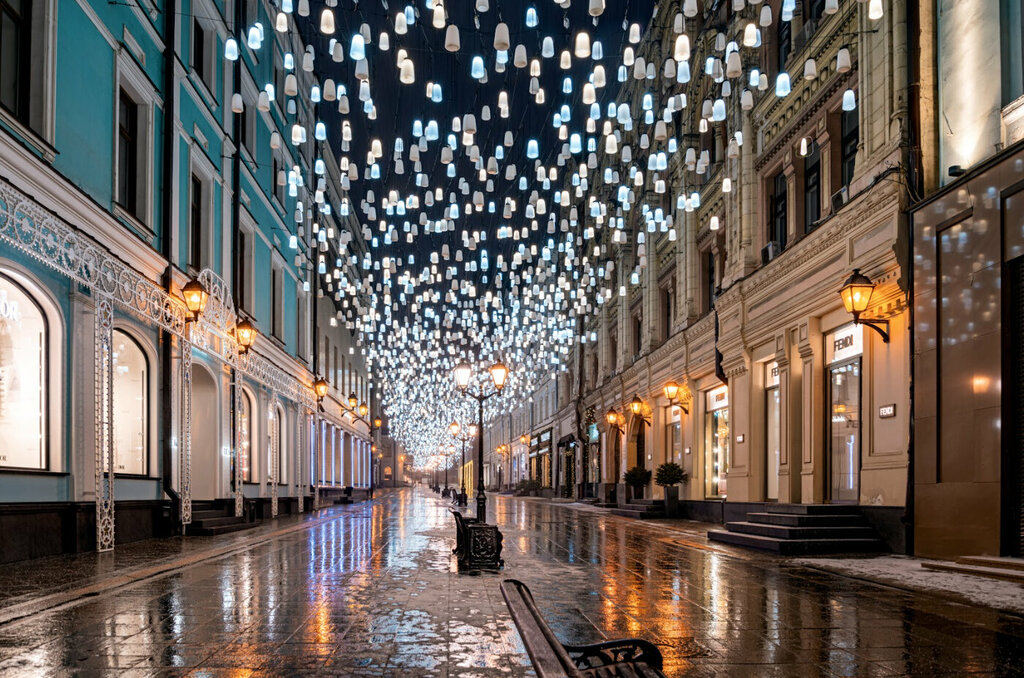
x=24 y=378
x=277 y=431
x=245 y=433
x=131 y=406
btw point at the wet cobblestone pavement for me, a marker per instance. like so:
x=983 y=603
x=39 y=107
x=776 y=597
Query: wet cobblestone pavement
x=371 y=590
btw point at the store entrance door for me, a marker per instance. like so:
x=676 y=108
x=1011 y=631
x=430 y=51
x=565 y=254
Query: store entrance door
x=844 y=432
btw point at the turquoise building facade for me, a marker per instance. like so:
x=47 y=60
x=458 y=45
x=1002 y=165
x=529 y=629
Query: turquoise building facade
x=134 y=159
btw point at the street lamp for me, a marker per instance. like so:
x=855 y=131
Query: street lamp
x=320 y=388
x=466 y=436
x=679 y=396
x=638 y=407
x=352 y=401
x=363 y=409
x=499 y=374
x=856 y=294
x=615 y=420
x=195 y=297
x=245 y=335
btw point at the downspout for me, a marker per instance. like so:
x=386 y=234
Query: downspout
x=236 y=208
x=166 y=339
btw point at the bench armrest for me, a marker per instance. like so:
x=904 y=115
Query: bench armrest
x=626 y=650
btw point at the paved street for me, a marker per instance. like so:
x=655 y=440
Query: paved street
x=372 y=591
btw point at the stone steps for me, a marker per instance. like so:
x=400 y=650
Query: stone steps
x=209 y=520
x=640 y=513
x=798 y=547
x=802 y=532
x=803 y=529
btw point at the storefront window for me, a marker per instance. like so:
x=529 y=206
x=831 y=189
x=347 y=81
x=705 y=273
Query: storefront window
x=773 y=432
x=843 y=350
x=716 y=441
x=131 y=405
x=23 y=379
x=245 y=437
x=673 y=437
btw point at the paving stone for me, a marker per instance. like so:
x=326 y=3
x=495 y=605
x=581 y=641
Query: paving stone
x=331 y=597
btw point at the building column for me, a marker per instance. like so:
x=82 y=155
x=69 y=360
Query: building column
x=812 y=412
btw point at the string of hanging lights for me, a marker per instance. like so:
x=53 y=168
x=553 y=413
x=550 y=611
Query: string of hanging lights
x=515 y=160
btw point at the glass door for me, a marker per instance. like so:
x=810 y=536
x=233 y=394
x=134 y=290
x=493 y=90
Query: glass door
x=844 y=432
x=716 y=445
x=773 y=436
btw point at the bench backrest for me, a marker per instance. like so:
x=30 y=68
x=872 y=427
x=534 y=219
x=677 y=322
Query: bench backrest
x=546 y=652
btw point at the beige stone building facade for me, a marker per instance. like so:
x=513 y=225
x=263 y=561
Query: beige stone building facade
x=738 y=301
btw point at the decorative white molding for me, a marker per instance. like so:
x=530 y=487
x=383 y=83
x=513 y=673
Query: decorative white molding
x=104 y=425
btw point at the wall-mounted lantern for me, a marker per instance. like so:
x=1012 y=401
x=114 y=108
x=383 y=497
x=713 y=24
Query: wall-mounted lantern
x=856 y=294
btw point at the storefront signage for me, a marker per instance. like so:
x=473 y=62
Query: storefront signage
x=845 y=343
x=887 y=411
x=717 y=398
x=593 y=434
x=8 y=309
x=771 y=374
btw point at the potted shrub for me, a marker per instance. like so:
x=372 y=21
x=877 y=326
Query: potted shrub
x=637 y=479
x=669 y=476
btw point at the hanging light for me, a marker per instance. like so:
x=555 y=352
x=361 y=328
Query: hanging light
x=363 y=409
x=352 y=401
x=849 y=100
x=453 y=428
x=875 y=9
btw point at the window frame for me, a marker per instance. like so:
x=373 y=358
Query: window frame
x=783 y=42
x=778 y=209
x=132 y=81
x=812 y=170
x=849 y=141
x=149 y=429
x=36 y=125
x=55 y=366
x=202 y=170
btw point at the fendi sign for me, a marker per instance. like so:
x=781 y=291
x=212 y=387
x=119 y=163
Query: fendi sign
x=845 y=343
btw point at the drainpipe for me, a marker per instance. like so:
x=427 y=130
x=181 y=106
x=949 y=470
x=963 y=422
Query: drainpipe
x=236 y=210
x=166 y=339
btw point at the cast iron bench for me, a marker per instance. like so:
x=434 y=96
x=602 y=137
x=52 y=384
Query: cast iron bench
x=461 y=533
x=626 y=658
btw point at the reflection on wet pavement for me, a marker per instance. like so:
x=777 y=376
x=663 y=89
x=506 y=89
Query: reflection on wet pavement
x=374 y=592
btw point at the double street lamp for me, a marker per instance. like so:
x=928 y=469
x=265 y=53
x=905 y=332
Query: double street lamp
x=466 y=436
x=463 y=374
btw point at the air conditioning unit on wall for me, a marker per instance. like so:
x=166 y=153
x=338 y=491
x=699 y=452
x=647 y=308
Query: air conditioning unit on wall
x=770 y=251
x=840 y=198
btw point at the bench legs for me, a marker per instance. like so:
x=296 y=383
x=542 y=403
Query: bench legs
x=627 y=650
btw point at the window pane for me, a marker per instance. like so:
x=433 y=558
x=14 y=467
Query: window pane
x=23 y=388
x=245 y=438
x=131 y=383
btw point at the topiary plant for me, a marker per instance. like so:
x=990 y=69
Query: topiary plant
x=670 y=474
x=637 y=477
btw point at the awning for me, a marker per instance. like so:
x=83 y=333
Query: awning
x=566 y=439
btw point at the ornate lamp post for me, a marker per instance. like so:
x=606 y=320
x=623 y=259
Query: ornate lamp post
x=463 y=373
x=465 y=436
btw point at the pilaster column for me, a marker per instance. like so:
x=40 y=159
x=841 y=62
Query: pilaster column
x=812 y=411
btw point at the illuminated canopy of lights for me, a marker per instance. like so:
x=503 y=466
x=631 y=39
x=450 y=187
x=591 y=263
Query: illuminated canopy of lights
x=493 y=160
